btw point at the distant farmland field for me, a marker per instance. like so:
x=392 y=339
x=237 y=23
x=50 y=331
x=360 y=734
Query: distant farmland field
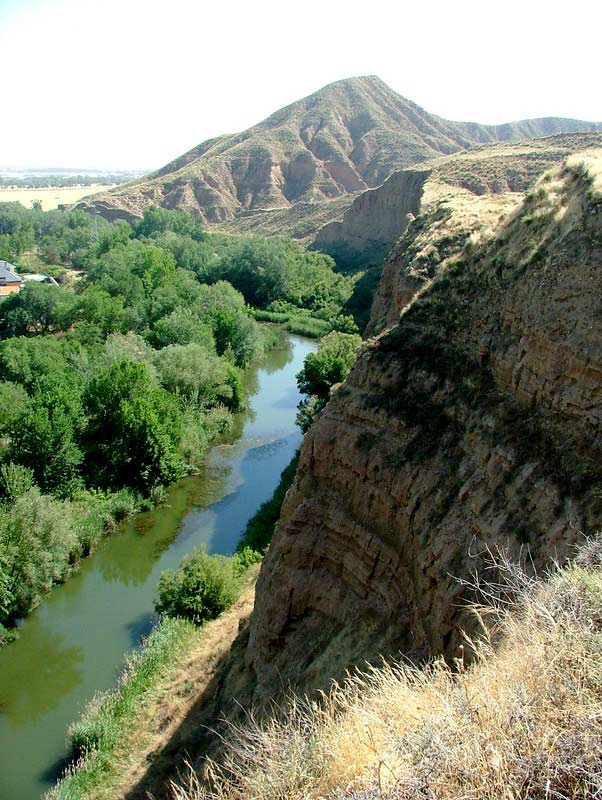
x=51 y=197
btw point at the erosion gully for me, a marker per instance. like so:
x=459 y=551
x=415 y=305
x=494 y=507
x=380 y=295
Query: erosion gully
x=73 y=645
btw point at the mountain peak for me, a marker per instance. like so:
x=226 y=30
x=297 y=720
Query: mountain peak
x=344 y=138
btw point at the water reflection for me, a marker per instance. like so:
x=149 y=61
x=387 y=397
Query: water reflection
x=290 y=399
x=131 y=559
x=257 y=473
x=281 y=357
x=36 y=683
x=140 y=627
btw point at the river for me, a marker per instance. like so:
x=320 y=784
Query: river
x=74 y=643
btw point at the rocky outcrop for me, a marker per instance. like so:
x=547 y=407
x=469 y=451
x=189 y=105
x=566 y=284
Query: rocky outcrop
x=375 y=219
x=345 y=138
x=473 y=424
x=464 y=200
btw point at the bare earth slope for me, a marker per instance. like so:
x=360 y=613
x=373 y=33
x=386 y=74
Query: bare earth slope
x=471 y=424
x=343 y=139
x=363 y=234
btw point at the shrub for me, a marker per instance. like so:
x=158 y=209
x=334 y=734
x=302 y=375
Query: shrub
x=307 y=326
x=15 y=480
x=243 y=559
x=335 y=357
x=200 y=589
x=123 y=504
x=197 y=375
x=270 y=316
x=7 y=635
x=38 y=541
x=13 y=402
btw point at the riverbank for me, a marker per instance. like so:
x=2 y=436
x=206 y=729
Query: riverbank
x=121 y=732
x=44 y=536
x=74 y=643
x=153 y=704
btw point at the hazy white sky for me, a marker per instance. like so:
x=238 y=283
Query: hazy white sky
x=133 y=83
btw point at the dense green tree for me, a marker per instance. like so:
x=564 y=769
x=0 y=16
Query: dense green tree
x=134 y=429
x=182 y=292
x=96 y=306
x=197 y=256
x=14 y=402
x=26 y=361
x=156 y=221
x=38 y=541
x=110 y=236
x=237 y=335
x=129 y=347
x=50 y=253
x=220 y=296
x=260 y=269
x=7 y=252
x=113 y=273
x=45 y=440
x=37 y=308
x=335 y=357
x=12 y=215
x=199 y=376
x=182 y=326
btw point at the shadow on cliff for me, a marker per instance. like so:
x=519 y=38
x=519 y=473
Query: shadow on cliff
x=225 y=696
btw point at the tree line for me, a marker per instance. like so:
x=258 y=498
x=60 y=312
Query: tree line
x=114 y=382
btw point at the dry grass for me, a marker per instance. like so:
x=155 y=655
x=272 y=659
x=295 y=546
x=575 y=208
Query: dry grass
x=473 y=218
x=50 y=197
x=524 y=720
x=300 y=221
x=561 y=202
x=590 y=161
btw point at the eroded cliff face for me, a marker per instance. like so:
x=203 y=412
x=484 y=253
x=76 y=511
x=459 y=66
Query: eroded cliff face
x=464 y=201
x=375 y=219
x=473 y=424
x=451 y=219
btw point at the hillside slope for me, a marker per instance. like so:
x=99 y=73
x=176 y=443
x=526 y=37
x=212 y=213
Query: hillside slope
x=363 y=234
x=522 y=722
x=347 y=137
x=473 y=423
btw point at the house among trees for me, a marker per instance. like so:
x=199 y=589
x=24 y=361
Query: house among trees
x=38 y=278
x=10 y=282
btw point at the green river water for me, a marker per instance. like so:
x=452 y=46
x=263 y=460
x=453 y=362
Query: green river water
x=74 y=644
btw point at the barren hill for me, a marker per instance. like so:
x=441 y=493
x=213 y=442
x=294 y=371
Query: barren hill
x=343 y=139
